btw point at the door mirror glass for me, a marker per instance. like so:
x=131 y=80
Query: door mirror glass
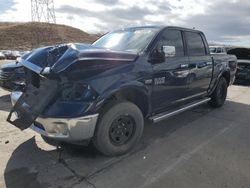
x=169 y=51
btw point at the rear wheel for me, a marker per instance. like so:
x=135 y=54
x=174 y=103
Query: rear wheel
x=119 y=128
x=219 y=95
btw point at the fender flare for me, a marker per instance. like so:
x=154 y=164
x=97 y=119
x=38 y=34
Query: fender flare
x=223 y=72
x=134 y=86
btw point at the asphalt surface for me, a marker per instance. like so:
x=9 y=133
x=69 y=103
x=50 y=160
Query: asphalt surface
x=203 y=147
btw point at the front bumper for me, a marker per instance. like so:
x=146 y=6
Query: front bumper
x=63 y=129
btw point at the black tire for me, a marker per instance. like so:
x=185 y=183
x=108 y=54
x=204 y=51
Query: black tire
x=219 y=95
x=51 y=141
x=190 y=78
x=128 y=128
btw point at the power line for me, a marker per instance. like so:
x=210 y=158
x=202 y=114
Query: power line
x=43 y=11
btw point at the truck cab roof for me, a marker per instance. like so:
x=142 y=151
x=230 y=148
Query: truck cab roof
x=160 y=27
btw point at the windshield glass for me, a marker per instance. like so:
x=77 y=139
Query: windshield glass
x=132 y=40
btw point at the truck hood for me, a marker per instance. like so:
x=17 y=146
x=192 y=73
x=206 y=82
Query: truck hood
x=58 y=58
x=10 y=66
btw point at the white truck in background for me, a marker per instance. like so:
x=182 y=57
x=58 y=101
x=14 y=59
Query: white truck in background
x=217 y=50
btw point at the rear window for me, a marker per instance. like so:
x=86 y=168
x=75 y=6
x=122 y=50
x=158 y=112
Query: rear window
x=195 y=45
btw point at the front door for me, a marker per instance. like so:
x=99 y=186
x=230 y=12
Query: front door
x=169 y=75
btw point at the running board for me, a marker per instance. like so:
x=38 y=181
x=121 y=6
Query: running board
x=168 y=114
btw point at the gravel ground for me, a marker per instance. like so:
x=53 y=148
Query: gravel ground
x=202 y=147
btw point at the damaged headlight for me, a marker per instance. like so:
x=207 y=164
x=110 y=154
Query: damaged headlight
x=77 y=92
x=20 y=70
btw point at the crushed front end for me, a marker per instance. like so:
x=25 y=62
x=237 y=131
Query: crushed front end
x=243 y=71
x=50 y=104
x=63 y=91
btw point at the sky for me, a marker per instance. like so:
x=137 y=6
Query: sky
x=223 y=21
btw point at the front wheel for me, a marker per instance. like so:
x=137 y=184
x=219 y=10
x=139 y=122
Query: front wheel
x=219 y=95
x=119 y=128
x=51 y=141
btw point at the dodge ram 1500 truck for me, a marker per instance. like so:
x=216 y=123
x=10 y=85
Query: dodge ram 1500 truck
x=103 y=92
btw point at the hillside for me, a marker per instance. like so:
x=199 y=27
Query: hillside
x=25 y=36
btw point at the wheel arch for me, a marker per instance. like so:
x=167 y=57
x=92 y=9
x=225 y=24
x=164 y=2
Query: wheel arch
x=226 y=75
x=135 y=94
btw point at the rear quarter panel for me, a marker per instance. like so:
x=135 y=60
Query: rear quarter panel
x=223 y=63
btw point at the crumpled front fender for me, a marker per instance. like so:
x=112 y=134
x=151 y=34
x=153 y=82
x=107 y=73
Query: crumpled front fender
x=31 y=103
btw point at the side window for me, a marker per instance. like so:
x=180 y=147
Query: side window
x=195 y=45
x=219 y=50
x=171 y=43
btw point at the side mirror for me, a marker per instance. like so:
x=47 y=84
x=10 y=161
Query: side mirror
x=169 y=51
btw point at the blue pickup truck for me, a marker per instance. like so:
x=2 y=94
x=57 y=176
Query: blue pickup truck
x=102 y=93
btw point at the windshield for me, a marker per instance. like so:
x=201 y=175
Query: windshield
x=132 y=40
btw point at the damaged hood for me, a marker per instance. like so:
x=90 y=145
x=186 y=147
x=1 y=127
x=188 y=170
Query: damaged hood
x=60 y=57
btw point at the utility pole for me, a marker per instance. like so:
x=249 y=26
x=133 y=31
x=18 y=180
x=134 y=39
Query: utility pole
x=43 y=11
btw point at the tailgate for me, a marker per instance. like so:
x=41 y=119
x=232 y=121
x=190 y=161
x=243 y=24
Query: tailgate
x=32 y=102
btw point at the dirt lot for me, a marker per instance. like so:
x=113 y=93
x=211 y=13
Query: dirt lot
x=203 y=147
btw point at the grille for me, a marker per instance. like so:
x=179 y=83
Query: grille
x=5 y=75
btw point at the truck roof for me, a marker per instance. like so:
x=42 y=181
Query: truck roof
x=160 y=27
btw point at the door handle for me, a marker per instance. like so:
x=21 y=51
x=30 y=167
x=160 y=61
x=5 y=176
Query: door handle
x=183 y=66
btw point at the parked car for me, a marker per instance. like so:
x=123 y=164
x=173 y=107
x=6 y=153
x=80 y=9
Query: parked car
x=217 y=50
x=103 y=92
x=12 y=76
x=222 y=51
x=243 y=71
x=240 y=53
x=6 y=53
x=12 y=55
x=24 y=52
x=2 y=56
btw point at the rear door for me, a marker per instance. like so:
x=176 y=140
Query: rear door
x=200 y=64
